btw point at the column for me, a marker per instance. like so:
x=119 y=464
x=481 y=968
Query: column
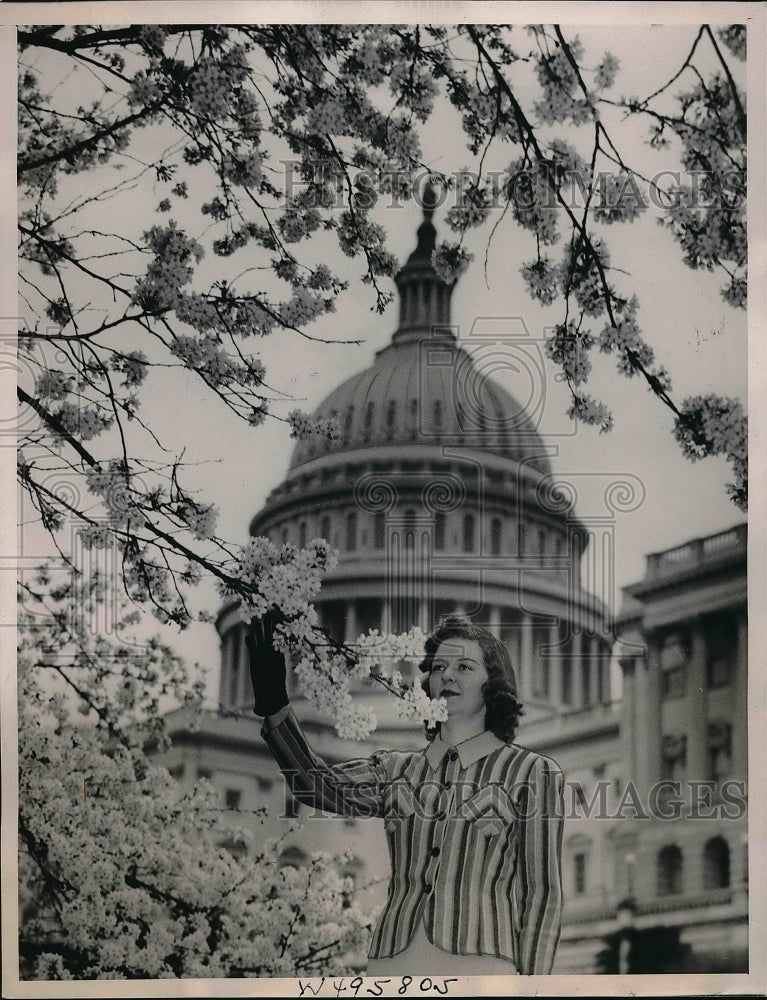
x=526 y=665
x=650 y=740
x=628 y=666
x=604 y=680
x=555 y=665
x=240 y=664
x=595 y=655
x=494 y=624
x=385 y=617
x=577 y=659
x=740 y=702
x=351 y=630
x=697 y=733
x=596 y=684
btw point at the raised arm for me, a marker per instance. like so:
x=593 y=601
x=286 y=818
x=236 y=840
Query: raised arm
x=353 y=788
x=538 y=882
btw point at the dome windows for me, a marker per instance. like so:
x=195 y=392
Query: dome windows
x=348 y=421
x=391 y=418
x=367 y=429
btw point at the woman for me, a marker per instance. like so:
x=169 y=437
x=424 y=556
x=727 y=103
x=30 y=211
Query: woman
x=473 y=821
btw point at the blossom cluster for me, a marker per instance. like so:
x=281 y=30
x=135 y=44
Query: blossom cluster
x=304 y=425
x=542 y=279
x=590 y=411
x=289 y=579
x=125 y=874
x=716 y=425
x=568 y=347
x=52 y=384
x=619 y=198
x=81 y=420
x=285 y=576
x=559 y=83
x=450 y=260
x=531 y=194
x=170 y=268
x=582 y=270
x=625 y=336
x=473 y=205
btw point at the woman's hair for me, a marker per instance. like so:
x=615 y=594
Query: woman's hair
x=502 y=707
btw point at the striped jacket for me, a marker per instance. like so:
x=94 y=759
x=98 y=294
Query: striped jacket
x=474 y=836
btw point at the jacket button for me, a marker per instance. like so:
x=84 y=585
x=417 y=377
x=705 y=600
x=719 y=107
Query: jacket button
x=453 y=755
x=441 y=816
x=435 y=852
x=448 y=784
x=427 y=887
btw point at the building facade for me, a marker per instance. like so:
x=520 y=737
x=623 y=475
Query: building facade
x=683 y=634
x=440 y=496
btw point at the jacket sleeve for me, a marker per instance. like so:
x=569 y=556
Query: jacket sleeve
x=538 y=881
x=354 y=788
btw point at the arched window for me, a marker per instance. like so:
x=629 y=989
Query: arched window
x=468 y=532
x=496 y=536
x=440 y=524
x=669 y=870
x=325 y=529
x=716 y=864
x=379 y=530
x=351 y=530
x=302 y=535
x=284 y=535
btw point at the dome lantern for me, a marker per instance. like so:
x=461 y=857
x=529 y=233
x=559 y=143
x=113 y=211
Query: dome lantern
x=424 y=296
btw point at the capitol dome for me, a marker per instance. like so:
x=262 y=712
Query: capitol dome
x=403 y=398
x=423 y=388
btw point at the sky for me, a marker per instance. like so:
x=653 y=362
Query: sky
x=696 y=335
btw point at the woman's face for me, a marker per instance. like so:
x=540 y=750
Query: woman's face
x=457 y=674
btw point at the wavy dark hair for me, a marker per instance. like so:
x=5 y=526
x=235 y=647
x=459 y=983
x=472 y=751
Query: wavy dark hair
x=502 y=707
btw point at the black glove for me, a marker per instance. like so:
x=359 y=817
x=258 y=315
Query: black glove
x=267 y=665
